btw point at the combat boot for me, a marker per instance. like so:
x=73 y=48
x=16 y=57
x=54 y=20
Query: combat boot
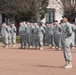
x=68 y=66
x=25 y=47
x=41 y=48
x=50 y=46
x=60 y=49
x=6 y=46
x=53 y=47
x=30 y=47
x=14 y=45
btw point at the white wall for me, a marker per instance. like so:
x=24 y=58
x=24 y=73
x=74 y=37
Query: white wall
x=58 y=9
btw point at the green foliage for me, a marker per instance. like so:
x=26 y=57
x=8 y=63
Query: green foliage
x=17 y=39
x=0 y=39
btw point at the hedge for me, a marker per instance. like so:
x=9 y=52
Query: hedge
x=17 y=39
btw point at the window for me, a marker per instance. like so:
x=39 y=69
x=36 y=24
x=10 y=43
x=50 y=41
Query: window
x=50 y=15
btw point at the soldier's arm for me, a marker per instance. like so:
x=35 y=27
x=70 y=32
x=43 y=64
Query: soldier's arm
x=69 y=30
x=59 y=28
x=19 y=32
x=43 y=30
x=73 y=28
x=15 y=30
x=7 y=29
x=1 y=30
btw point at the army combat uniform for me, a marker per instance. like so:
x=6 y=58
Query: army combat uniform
x=51 y=36
x=13 y=33
x=57 y=36
x=9 y=36
x=4 y=32
x=66 y=44
x=22 y=35
x=41 y=32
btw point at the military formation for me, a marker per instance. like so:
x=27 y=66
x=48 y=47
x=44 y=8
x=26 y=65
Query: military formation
x=8 y=35
x=59 y=36
x=52 y=34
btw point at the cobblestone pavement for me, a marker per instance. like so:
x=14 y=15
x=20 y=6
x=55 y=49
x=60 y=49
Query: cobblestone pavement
x=15 y=61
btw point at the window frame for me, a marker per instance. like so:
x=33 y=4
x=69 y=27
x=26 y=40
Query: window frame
x=48 y=11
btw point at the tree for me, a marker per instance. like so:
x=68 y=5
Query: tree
x=68 y=7
x=23 y=10
x=30 y=10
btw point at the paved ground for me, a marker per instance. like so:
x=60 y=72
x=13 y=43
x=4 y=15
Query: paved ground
x=14 y=61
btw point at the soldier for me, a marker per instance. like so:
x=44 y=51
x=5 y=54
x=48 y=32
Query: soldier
x=4 y=32
x=75 y=33
x=73 y=36
x=62 y=31
x=35 y=36
x=13 y=32
x=22 y=35
x=57 y=35
x=25 y=35
x=41 y=32
x=44 y=38
x=51 y=36
x=46 y=34
x=30 y=34
x=9 y=35
x=66 y=43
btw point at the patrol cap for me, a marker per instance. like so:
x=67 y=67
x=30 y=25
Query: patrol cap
x=40 y=23
x=65 y=16
x=12 y=23
x=50 y=22
x=47 y=22
x=61 y=21
x=55 y=20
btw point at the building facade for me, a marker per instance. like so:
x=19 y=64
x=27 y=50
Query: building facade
x=54 y=12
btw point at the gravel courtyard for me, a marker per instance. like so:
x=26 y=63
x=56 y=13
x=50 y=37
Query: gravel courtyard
x=15 y=61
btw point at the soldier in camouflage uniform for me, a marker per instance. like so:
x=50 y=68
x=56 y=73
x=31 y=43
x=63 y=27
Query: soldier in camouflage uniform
x=22 y=35
x=35 y=36
x=13 y=33
x=51 y=35
x=5 y=32
x=57 y=35
x=41 y=32
x=66 y=42
x=9 y=36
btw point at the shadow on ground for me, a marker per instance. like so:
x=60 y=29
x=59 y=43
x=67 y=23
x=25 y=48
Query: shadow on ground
x=47 y=66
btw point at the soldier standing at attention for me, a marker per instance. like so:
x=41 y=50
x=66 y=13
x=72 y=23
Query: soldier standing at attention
x=66 y=43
